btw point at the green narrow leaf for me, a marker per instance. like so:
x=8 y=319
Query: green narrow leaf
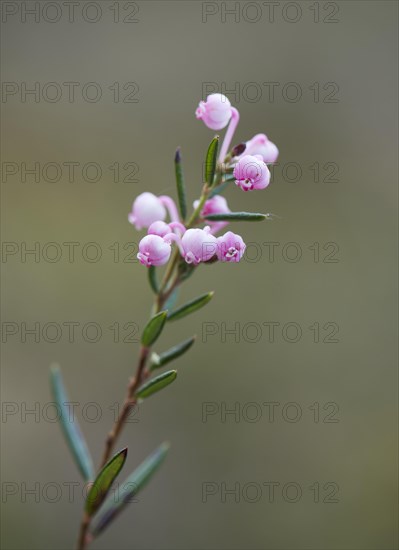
x=70 y=426
x=171 y=301
x=181 y=191
x=156 y=384
x=102 y=483
x=166 y=357
x=238 y=216
x=220 y=188
x=130 y=488
x=210 y=161
x=152 y=279
x=190 y=307
x=153 y=328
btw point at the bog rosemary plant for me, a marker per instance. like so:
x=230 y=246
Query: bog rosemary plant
x=180 y=244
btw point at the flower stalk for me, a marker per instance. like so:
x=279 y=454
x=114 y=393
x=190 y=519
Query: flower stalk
x=180 y=245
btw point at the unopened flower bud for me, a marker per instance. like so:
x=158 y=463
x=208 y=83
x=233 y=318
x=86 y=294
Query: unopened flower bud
x=215 y=205
x=260 y=145
x=215 y=111
x=159 y=228
x=146 y=209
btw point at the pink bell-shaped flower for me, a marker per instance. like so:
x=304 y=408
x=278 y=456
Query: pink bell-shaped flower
x=146 y=209
x=260 y=145
x=198 y=245
x=230 y=247
x=159 y=228
x=215 y=205
x=215 y=111
x=251 y=173
x=154 y=250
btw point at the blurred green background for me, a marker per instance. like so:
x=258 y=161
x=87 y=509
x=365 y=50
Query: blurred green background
x=171 y=52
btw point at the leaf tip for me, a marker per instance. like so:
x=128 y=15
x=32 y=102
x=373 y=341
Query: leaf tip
x=124 y=452
x=165 y=446
x=55 y=368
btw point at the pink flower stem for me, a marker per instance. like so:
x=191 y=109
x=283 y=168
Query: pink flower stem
x=175 y=238
x=235 y=117
x=179 y=226
x=171 y=207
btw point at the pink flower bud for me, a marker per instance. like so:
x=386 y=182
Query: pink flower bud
x=260 y=145
x=146 y=209
x=251 y=173
x=230 y=247
x=159 y=228
x=215 y=205
x=215 y=111
x=162 y=229
x=154 y=250
x=198 y=245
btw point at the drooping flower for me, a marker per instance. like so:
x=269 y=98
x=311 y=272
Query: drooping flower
x=198 y=245
x=215 y=111
x=261 y=145
x=214 y=205
x=230 y=247
x=146 y=209
x=154 y=250
x=251 y=172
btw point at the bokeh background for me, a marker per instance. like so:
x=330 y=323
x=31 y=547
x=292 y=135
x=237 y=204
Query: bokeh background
x=172 y=52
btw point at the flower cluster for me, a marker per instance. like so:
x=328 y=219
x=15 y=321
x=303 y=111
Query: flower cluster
x=246 y=164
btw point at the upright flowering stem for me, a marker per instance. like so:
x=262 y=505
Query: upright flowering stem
x=235 y=117
x=167 y=286
x=194 y=244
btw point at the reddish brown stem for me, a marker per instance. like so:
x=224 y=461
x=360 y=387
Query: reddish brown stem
x=128 y=404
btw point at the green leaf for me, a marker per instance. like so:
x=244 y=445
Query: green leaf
x=130 y=488
x=166 y=357
x=190 y=307
x=156 y=384
x=171 y=301
x=70 y=426
x=181 y=191
x=238 y=216
x=102 y=484
x=153 y=328
x=152 y=279
x=220 y=188
x=210 y=161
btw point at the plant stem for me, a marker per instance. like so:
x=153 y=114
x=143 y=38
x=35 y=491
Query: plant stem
x=83 y=535
x=141 y=371
x=128 y=404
